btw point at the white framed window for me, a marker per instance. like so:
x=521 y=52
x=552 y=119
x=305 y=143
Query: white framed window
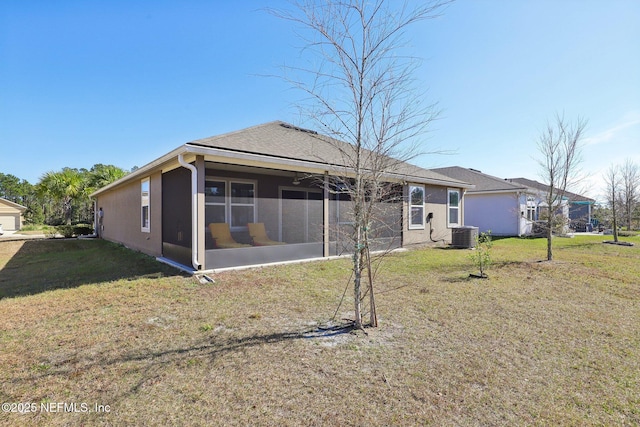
x=230 y=201
x=145 y=225
x=531 y=209
x=453 y=207
x=416 y=207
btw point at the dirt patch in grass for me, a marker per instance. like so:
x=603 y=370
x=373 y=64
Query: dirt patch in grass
x=535 y=344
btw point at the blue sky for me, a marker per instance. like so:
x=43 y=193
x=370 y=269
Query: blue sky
x=124 y=82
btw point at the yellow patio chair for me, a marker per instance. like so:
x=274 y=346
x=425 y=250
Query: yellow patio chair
x=259 y=235
x=222 y=236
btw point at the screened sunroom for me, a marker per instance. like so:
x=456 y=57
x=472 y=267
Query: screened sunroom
x=256 y=215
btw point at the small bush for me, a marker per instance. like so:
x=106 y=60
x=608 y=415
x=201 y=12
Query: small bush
x=82 y=229
x=73 y=230
x=65 y=230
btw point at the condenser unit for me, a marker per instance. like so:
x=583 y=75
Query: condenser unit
x=464 y=237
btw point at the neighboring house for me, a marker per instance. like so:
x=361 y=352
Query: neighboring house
x=11 y=215
x=273 y=174
x=575 y=207
x=495 y=204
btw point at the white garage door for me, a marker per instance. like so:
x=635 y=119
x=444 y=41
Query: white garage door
x=8 y=222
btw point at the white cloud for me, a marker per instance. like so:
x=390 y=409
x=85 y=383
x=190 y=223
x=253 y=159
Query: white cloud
x=621 y=130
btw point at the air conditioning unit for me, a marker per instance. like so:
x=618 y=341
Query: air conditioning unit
x=464 y=237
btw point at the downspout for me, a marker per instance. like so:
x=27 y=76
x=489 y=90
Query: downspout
x=96 y=224
x=194 y=211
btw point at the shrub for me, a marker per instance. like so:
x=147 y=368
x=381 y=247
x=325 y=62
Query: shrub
x=65 y=230
x=82 y=229
x=74 y=230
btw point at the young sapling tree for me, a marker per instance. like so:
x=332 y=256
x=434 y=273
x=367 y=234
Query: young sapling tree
x=481 y=255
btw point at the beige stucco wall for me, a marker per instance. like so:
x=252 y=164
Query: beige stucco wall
x=122 y=216
x=436 y=203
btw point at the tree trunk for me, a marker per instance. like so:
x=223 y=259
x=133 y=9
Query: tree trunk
x=357 y=274
x=373 y=317
x=68 y=210
x=549 y=237
x=615 y=221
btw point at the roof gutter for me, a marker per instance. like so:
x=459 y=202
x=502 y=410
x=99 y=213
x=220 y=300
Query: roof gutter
x=503 y=191
x=194 y=211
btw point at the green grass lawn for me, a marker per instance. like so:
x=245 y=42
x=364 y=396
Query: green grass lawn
x=538 y=343
x=34 y=266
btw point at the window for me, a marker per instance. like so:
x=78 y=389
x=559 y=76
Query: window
x=144 y=203
x=416 y=207
x=215 y=201
x=230 y=201
x=531 y=209
x=453 y=208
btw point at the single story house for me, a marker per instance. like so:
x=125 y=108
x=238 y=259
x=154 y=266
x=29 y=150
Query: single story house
x=262 y=195
x=503 y=207
x=576 y=208
x=11 y=215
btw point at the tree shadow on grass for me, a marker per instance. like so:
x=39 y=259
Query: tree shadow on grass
x=147 y=366
x=217 y=345
x=35 y=266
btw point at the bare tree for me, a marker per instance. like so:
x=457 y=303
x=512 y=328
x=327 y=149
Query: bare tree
x=559 y=146
x=360 y=90
x=630 y=176
x=612 y=181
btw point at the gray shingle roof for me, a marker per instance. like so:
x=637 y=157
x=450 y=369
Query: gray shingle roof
x=277 y=139
x=282 y=140
x=543 y=187
x=483 y=182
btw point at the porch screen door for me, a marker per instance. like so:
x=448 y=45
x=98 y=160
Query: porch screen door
x=301 y=219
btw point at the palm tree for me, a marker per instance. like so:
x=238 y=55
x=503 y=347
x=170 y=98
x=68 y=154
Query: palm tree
x=69 y=190
x=62 y=187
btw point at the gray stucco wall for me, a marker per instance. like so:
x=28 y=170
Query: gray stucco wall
x=436 y=203
x=122 y=216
